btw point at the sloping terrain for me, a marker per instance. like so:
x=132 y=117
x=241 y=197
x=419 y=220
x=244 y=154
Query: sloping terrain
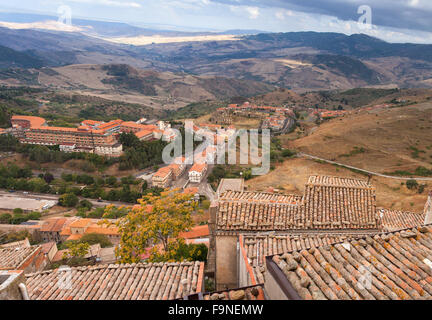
x=384 y=140
x=154 y=89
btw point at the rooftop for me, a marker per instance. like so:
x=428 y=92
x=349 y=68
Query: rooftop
x=14 y=258
x=196 y=232
x=328 y=203
x=198 y=167
x=230 y=185
x=387 y=266
x=159 y=281
x=163 y=172
x=248 y=294
x=34 y=121
x=255 y=247
x=53 y=225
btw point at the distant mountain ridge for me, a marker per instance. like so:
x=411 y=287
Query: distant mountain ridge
x=295 y=60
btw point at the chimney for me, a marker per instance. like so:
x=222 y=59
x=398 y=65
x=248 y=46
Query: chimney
x=428 y=209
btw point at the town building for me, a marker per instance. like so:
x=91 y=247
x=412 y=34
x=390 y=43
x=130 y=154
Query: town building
x=247 y=226
x=197 y=172
x=52 y=228
x=94 y=136
x=178 y=167
x=23 y=258
x=388 y=266
x=76 y=229
x=163 y=177
x=157 y=281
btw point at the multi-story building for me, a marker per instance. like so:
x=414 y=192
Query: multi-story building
x=90 y=136
x=27 y=122
x=80 y=227
x=197 y=172
x=163 y=177
x=178 y=167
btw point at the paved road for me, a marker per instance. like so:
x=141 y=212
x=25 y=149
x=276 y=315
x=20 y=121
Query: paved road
x=301 y=154
x=36 y=196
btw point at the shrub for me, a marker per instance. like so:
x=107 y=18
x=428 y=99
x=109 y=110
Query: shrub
x=412 y=184
x=68 y=200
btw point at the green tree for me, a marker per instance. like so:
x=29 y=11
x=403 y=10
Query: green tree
x=94 y=238
x=76 y=250
x=68 y=200
x=412 y=184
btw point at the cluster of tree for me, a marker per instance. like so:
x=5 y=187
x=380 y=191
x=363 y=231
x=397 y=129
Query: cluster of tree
x=279 y=153
x=13 y=177
x=222 y=171
x=99 y=181
x=414 y=185
x=18 y=217
x=109 y=212
x=157 y=222
x=140 y=154
x=180 y=251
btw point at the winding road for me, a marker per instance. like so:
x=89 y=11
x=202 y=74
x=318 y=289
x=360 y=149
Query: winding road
x=305 y=155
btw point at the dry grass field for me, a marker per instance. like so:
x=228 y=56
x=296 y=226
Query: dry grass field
x=383 y=141
x=292 y=175
x=392 y=139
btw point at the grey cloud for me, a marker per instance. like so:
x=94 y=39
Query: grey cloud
x=388 y=13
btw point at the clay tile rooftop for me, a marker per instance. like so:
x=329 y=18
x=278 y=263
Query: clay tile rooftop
x=14 y=258
x=389 y=266
x=158 y=281
x=328 y=203
x=198 y=167
x=54 y=225
x=255 y=247
x=246 y=294
x=163 y=172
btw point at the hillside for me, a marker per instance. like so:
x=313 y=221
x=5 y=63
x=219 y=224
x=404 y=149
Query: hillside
x=387 y=140
x=302 y=61
x=305 y=60
x=153 y=89
x=395 y=141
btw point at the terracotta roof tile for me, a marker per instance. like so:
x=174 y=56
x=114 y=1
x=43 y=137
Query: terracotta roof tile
x=163 y=172
x=196 y=232
x=13 y=258
x=198 y=167
x=249 y=294
x=255 y=247
x=53 y=225
x=396 y=220
x=328 y=203
x=397 y=265
x=159 y=281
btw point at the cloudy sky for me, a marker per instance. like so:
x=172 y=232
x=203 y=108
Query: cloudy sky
x=392 y=20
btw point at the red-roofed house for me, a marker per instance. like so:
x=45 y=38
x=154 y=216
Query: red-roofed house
x=163 y=177
x=197 y=172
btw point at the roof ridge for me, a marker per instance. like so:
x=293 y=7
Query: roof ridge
x=116 y=266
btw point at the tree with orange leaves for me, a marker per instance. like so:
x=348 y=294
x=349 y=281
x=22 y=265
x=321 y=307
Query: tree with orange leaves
x=157 y=222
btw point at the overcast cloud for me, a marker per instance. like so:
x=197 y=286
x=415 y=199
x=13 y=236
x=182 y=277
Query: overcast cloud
x=393 y=20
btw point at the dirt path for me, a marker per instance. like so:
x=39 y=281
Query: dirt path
x=304 y=155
